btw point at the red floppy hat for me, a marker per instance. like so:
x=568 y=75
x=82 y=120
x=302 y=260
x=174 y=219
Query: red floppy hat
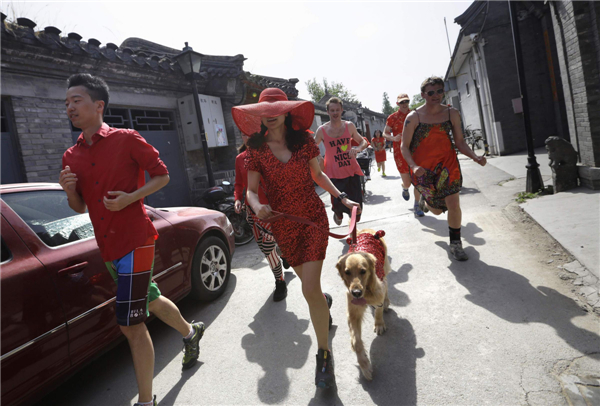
x=273 y=102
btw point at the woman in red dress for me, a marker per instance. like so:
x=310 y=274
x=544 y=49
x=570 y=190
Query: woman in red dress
x=378 y=144
x=284 y=154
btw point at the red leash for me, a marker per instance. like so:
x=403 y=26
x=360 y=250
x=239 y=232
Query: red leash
x=352 y=227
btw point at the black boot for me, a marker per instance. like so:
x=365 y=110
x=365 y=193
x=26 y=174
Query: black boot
x=280 y=292
x=324 y=373
x=329 y=300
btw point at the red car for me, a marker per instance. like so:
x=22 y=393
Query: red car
x=57 y=296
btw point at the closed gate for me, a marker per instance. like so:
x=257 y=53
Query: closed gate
x=159 y=130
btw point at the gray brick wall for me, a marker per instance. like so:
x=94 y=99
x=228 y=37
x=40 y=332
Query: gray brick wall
x=44 y=134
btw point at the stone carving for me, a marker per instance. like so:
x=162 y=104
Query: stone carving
x=563 y=161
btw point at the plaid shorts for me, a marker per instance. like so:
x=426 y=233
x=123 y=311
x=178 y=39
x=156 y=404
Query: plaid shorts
x=135 y=289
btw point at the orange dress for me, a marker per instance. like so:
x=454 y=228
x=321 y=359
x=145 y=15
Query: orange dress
x=433 y=150
x=396 y=122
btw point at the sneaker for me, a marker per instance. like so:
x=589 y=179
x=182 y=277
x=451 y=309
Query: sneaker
x=422 y=205
x=153 y=402
x=383 y=175
x=324 y=374
x=457 y=250
x=405 y=194
x=191 y=347
x=379 y=169
x=329 y=300
x=368 y=177
x=418 y=211
x=337 y=219
x=280 y=292
x=285 y=263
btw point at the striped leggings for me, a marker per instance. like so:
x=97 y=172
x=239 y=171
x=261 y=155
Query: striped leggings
x=266 y=242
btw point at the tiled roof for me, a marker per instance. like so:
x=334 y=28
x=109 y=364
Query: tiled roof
x=263 y=82
x=133 y=51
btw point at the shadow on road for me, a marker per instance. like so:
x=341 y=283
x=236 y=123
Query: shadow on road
x=396 y=296
x=279 y=341
x=115 y=368
x=371 y=199
x=439 y=227
x=511 y=297
x=394 y=358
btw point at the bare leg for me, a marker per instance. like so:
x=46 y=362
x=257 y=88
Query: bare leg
x=142 y=352
x=310 y=275
x=383 y=167
x=454 y=211
x=406 y=182
x=166 y=311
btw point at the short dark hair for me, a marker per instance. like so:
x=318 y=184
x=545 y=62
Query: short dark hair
x=335 y=100
x=431 y=81
x=96 y=87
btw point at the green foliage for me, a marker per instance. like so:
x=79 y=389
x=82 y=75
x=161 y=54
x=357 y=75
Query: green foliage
x=387 y=106
x=318 y=90
x=417 y=101
x=524 y=196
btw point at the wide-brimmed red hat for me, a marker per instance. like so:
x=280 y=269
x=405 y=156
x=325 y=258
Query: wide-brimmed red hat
x=273 y=102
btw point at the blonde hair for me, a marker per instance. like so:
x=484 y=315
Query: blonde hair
x=335 y=100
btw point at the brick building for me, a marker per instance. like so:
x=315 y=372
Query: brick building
x=561 y=56
x=147 y=89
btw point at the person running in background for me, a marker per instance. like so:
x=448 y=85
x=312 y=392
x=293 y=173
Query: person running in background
x=262 y=231
x=428 y=150
x=378 y=144
x=101 y=174
x=394 y=125
x=340 y=157
x=284 y=154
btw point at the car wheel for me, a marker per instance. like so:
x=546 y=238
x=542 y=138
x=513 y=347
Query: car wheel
x=242 y=231
x=210 y=269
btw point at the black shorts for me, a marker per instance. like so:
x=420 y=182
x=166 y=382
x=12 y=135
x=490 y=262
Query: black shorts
x=351 y=186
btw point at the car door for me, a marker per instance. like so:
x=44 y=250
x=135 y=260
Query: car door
x=34 y=331
x=64 y=243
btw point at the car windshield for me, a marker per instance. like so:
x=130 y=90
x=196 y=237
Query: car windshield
x=48 y=214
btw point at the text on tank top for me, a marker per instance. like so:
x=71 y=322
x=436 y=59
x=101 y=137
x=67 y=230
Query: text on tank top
x=338 y=163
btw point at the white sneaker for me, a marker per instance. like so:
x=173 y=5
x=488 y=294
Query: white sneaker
x=368 y=177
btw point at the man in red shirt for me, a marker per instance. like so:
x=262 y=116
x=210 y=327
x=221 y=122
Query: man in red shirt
x=395 y=125
x=104 y=173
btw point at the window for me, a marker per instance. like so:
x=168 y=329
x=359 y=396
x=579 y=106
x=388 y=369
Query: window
x=138 y=119
x=48 y=214
x=4 y=252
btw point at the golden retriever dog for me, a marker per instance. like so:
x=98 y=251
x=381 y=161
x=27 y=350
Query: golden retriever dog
x=364 y=271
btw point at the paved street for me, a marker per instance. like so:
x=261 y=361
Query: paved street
x=500 y=329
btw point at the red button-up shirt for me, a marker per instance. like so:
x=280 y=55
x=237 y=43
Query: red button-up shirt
x=241 y=180
x=115 y=161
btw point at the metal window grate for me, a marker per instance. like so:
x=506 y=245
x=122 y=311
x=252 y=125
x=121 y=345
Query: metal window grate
x=139 y=120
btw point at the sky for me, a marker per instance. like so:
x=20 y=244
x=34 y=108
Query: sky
x=370 y=47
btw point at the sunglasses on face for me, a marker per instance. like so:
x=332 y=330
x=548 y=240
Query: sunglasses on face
x=403 y=102
x=432 y=92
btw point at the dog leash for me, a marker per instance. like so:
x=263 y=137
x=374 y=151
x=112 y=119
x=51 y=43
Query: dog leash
x=351 y=230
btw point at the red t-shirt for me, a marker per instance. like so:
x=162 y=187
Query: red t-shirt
x=115 y=161
x=396 y=122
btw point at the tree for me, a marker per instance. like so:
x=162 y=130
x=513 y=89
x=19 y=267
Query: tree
x=417 y=101
x=387 y=108
x=318 y=90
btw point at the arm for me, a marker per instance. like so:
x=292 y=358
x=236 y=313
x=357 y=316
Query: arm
x=387 y=134
x=319 y=135
x=362 y=144
x=459 y=139
x=123 y=199
x=238 y=190
x=409 y=129
x=323 y=180
x=263 y=211
x=68 y=181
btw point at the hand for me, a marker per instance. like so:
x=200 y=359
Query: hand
x=121 y=201
x=480 y=160
x=264 y=212
x=353 y=152
x=238 y=206
x=418 y=171
x=67 y=179
x=350 y=204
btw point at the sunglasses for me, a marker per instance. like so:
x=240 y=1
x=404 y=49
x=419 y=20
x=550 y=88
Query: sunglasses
x=403 y=102
x=432 y=92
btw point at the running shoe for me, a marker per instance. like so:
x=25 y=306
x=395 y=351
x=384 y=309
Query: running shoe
x=324 y=372
x=405 y=194
x=337 y=219
x=280 y=292
x=141 y=404
x=191 y=347
x=418 y=211
x=457 y=250
x=329 y=300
